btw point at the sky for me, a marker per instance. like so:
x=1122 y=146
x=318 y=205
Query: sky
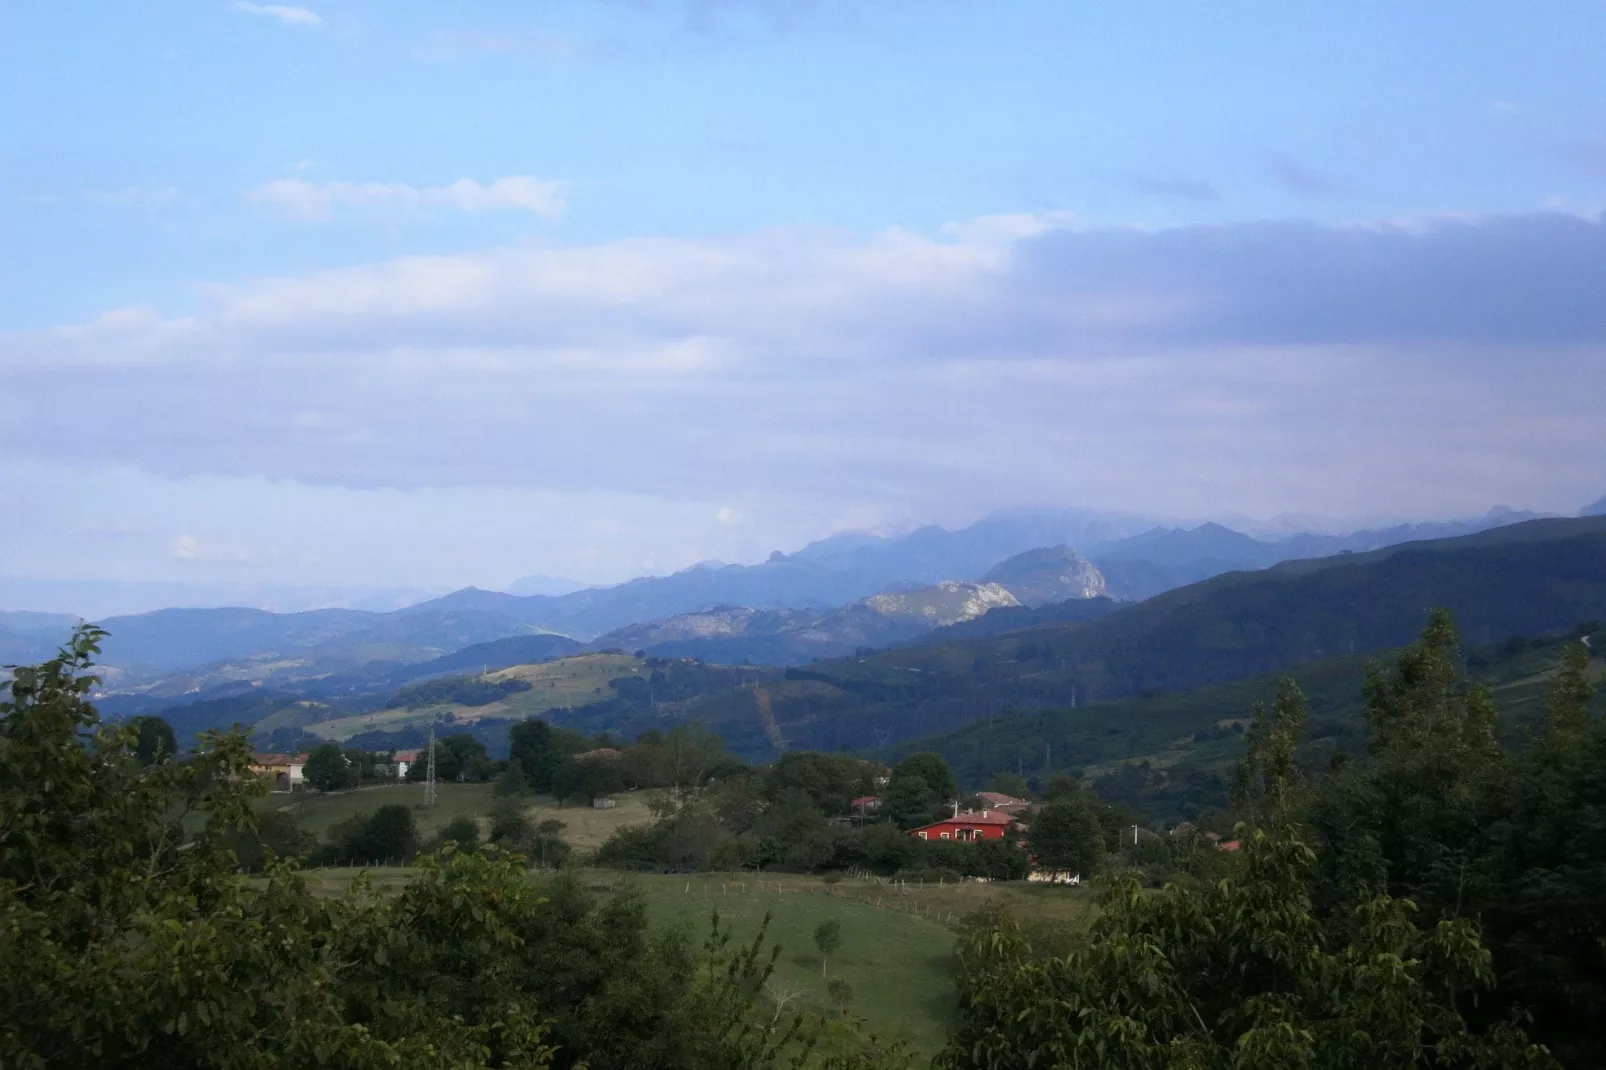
x=380 y=292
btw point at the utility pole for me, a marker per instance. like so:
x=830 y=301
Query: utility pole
x=429 y=771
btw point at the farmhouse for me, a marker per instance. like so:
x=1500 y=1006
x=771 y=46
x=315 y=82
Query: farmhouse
x=977 y=825
x=282 y=770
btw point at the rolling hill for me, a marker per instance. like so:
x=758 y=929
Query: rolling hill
x=1170 y=754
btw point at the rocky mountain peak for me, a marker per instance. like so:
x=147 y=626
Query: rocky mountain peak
x=1050 y=574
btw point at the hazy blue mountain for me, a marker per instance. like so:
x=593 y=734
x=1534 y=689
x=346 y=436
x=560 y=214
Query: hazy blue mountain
x=1178 y=547
x=739 y=634
x=1597 y=508
x=1299 y=546
x=931 y=553
x=27 y=637
x=98 y=599
x=1051 y=574
x=183 y=651
x=543 y=584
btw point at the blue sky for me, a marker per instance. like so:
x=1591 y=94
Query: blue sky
x=287 y=291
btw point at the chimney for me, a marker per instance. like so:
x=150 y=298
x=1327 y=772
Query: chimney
x=956 y=807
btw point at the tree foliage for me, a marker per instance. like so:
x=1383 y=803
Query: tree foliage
x=328 y=769
x=153 y=740
x=1244 y=972
x=130 y=938
x=1065 y=837
x=1512 y=839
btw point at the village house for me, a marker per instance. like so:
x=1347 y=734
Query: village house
x=401 y=761
x=282 y=771
x=1008 y=804
x=967 y=826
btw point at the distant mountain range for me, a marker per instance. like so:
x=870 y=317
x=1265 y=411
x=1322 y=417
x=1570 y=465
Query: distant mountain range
x=1523 y=580
x=788 y=609
x=1520 y=580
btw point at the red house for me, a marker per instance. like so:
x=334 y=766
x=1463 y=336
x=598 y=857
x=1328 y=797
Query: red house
x=985 y=825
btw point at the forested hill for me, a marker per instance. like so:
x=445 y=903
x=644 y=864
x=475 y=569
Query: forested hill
x=1170 y=755
x=1527 y=579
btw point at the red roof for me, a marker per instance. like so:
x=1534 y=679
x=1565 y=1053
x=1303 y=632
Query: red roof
x=999 y=801
x=865 y=800
x=1230 y=845
x=271 y=759
x=408 y=755
x=984 y=817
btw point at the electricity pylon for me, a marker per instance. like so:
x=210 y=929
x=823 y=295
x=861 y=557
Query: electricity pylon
x=429 y=771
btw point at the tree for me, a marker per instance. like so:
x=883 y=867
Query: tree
x=1011 y=784
x=131 y=939
x=841 y=993
x=827 y=938
x=535 y=749
x=933 y=769
x=1061 y=786
x=463 y=831
x=154 y=741
x=328 y=769
x=830 y=781
x=277 y=835
x=389 y=834
x=793 y=834
x=1064 y=837
x=588 y=778
x=462 y=758
x=1240 y=972
x=1442 y=814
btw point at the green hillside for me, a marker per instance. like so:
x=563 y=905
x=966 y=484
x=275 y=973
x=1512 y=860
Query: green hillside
x=561 y=684
x=1169 y=755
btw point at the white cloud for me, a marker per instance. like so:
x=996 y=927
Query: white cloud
x=786 y=379
x=188 y=548
x=286 y=13
x=301 y=199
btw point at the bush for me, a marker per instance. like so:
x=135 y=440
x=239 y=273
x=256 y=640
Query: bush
x=388 y=836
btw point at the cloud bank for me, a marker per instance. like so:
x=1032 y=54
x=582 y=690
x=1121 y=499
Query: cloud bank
x=286 y=13
x=1432 y=368
x=301 y=199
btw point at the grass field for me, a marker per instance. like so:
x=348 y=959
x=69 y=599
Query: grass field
x=900 y=966
x=318 y=813
x=554 y=685
x=583 y=827
x=897 y=940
